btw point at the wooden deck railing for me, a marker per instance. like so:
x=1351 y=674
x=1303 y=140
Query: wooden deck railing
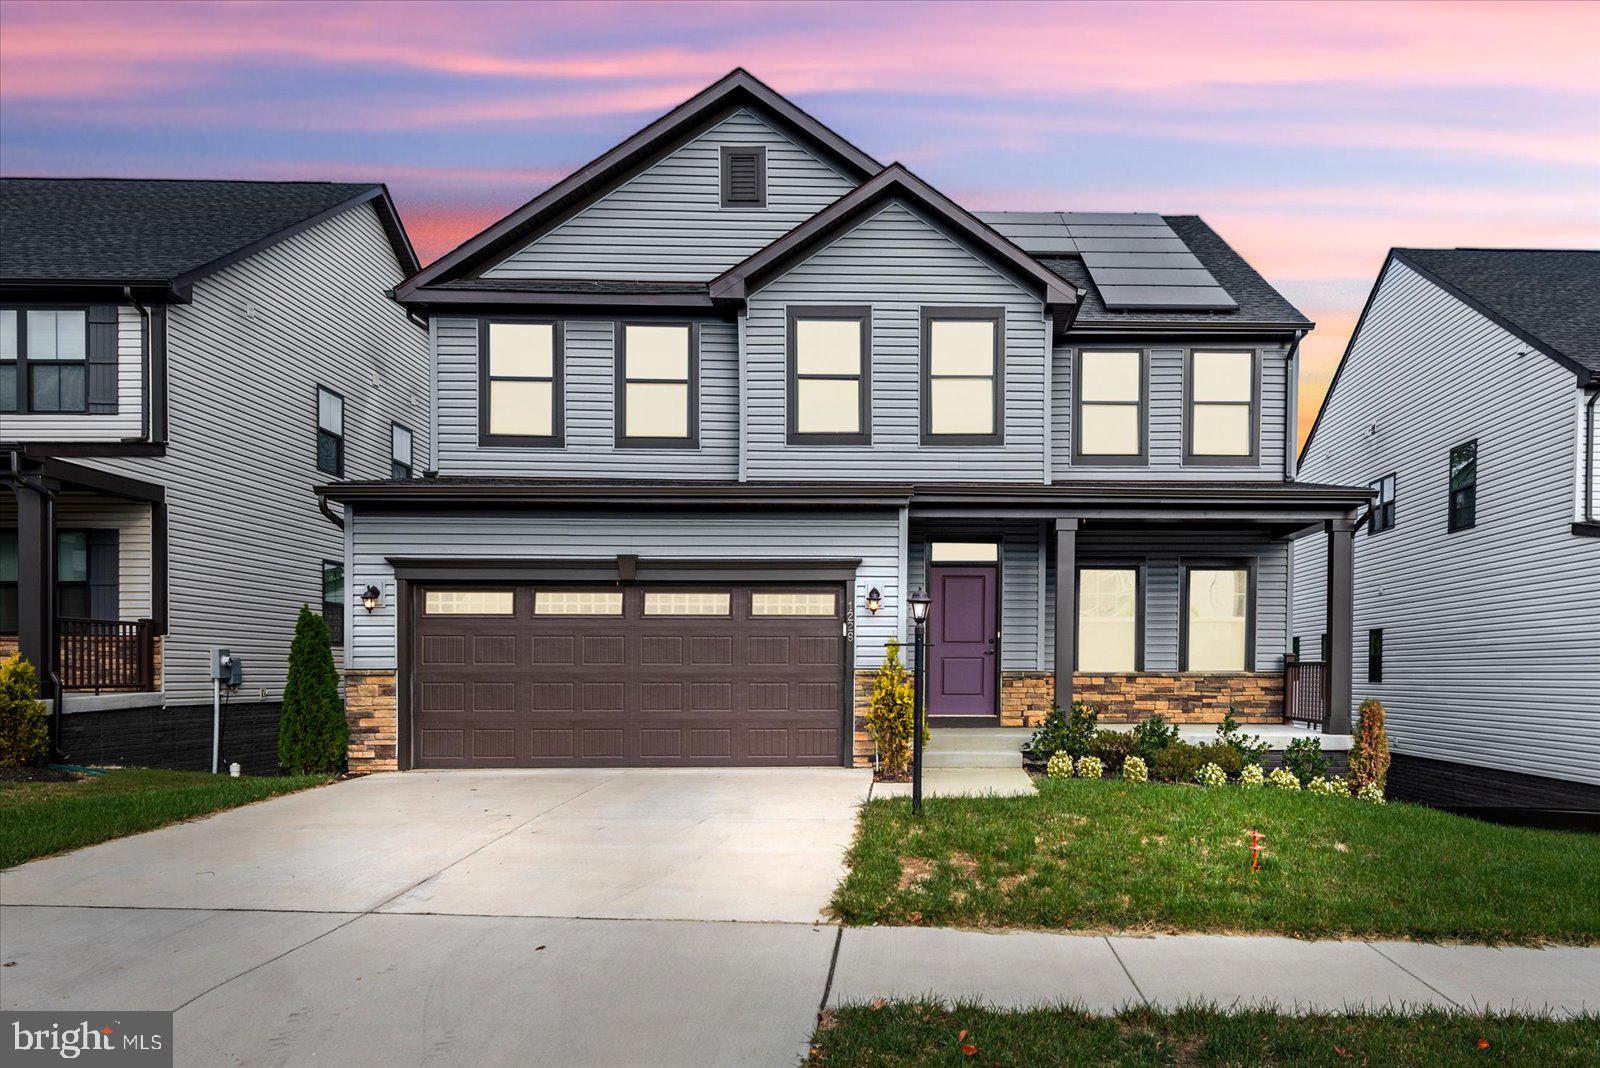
x=1305 y=691
x=107 y=654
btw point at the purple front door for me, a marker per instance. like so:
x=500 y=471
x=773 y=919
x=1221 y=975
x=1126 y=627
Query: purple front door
x=961 y=662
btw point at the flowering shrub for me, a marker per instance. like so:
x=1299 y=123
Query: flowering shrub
x=1371 y=792
x=1283 y=779
x=1134 y=770
x=1060 y=766
x=1252 y=777
x=890 y=713
x=1211 y=775
x=1334 y=787
x=1090 y=767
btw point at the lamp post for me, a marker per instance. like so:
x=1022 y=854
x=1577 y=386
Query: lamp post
x=919 y=616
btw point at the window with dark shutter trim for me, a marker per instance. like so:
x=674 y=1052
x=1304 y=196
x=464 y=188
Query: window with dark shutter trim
x=744 y=177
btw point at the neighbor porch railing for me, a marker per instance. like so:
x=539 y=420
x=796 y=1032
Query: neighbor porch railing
x=1305 y=691
x=106 y=654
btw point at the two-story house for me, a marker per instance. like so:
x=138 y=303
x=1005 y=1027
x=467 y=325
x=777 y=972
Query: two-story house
x=180 y=363
x=706 y=411
x=1467 y=401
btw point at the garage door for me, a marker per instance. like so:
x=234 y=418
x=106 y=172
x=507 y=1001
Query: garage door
x=652 y=675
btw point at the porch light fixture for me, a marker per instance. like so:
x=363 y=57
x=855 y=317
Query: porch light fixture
x=919 y=607
x=371 y=597
x=874 y=600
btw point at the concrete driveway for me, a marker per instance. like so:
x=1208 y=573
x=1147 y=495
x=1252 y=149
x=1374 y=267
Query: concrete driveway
x=586 y=917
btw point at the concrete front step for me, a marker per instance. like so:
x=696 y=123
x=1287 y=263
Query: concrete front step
x=934 y=758
x=976 y=748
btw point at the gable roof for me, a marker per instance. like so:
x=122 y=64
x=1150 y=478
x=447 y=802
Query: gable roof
x=738 y=89
x=893 y=181
x=163 y=233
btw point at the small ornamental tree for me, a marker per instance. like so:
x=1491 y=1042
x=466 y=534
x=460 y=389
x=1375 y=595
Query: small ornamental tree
x=312 y=732
x=24 y=727
x=891 y=712
x=1369 y=750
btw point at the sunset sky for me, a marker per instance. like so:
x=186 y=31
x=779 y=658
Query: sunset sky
x=1312 y=137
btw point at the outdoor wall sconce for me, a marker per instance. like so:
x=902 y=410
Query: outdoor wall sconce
x=874 y=600
x=370 y=598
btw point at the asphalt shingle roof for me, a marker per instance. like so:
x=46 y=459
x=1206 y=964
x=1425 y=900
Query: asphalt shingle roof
x=135 y=230
x=1552 y=295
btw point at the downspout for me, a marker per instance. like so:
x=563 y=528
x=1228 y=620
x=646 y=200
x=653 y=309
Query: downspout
x=1588 y=454
x=146 y=339
x=335 y=519
x=1291 y=410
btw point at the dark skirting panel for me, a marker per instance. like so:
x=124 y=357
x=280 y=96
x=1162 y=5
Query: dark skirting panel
x=1445 y=784
x=176 y=736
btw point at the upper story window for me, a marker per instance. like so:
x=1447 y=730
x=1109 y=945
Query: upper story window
x=519 y=384
x=1464 y=486
x=657 y=392
x=830 y=375
x=744 y=176
x=1111 y=393
x=1383 y=508
x=1222 y=408
x=44 y=355
x=330 y=432
x=962 y=380
x=400 y=448
x=1216 y=619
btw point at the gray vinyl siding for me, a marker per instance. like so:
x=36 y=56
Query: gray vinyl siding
x=128 y=421
x=872 y=536
x=1491 y=635
x=245 y=539
x=668 y=223
x=1020 y=647
x=898 y=262
x=131 y=521
x=590 y=450
x=1166 y=414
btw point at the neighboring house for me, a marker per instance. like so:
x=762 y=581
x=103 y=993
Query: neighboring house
x=1467 y=401
x=180 y=363
x=706 y=411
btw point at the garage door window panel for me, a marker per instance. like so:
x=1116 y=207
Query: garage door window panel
x=793 y=603
x=687 y=603
x=469 y=603
x=577 y=603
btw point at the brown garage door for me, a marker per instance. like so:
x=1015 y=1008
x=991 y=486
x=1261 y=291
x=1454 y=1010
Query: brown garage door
x=653 y=675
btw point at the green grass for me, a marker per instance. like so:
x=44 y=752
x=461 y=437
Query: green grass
x=1111 y=856
x=41 y=818
x=906 y=1033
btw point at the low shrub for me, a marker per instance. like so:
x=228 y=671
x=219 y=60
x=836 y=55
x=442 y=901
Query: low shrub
x=1369 y=750
x=1283 y=779
x=1334 y=787
x=1225 y=757
x=1305 y=760
x=1370 y=792
x=1177 y=762
x=890 y=713
x=1063 y=733
x=1250 y=747
x=1252 y=777
x=1059 y=767
x=1154 y=735
x=1112 y=747
x=1090 y=768
x=1134 y=770
x=1210 y=775
x=24 y=727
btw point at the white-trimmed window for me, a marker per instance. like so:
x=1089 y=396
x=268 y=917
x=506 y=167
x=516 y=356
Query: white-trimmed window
x=1111 y=408
x=330 y=432
x=793 y=603
x=830 y=379
x=686 y=603
x=1108 y=619
x=400 y=449
x=1217 y=606
x=961 y=389
x=469 y=603
x=1222 y=407
x=656 y=391
x=577 y=603
x=519 y=374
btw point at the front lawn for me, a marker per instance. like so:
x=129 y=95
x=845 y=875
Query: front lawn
x=1109 y=856
x=40 y=818
x=911 y=1033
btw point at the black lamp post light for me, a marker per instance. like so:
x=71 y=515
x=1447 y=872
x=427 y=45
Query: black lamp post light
x=920 y=602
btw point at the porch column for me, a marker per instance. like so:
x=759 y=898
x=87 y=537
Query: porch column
x=1341 y=624
x=36 y=565
x=1066 y=607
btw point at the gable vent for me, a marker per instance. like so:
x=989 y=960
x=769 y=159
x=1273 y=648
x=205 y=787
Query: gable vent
x=744 y=177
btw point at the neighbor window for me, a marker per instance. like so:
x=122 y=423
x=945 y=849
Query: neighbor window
x=468 y=603
x=1382 y=508
x=961 y=379
x=44 y=356
x=677 y=603
x=519 y=374
x=333 y=600
x=400 y=446
x=330 y=432
x=577 y=603
x=1464 y=486
x=830 y=378
x=1375 y=655
x=8 y=582
x=1108 y=619
x=72 y=574
x=1111 y=408
x=656 y=395
x=793 y=603
x=744 y=176
x=1217 y=619
x=1222 y=402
